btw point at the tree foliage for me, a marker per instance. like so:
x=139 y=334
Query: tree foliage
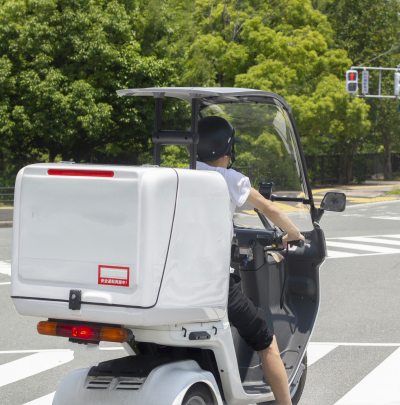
x=61 y=62
x=285 y=47
x=366 y=29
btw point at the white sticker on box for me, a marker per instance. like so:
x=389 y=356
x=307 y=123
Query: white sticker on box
x=114 y=275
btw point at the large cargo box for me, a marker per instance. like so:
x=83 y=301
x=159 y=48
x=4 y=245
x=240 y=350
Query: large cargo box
x=144 y=245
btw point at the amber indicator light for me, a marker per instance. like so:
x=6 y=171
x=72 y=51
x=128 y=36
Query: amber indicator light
x=84 y=332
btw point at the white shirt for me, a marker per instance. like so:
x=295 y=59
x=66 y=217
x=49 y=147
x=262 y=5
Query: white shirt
x=238 y=184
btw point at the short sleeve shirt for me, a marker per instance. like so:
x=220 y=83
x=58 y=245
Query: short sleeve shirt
x=238 y=184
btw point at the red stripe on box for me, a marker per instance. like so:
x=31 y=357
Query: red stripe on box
x=82 y=173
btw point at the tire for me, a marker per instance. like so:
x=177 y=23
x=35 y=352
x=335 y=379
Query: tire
x=297 y=395
x=198 y=394
x=299 y=390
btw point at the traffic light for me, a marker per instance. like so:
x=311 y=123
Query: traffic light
x=397 y=84
x=352 y=81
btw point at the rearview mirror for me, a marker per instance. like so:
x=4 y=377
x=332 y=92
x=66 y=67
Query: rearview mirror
x=265 y=189
x=334 y=202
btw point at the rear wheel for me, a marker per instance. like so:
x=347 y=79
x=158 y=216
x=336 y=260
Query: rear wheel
x=198 y=394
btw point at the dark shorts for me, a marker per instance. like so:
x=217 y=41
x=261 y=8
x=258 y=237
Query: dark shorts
x=249 y=320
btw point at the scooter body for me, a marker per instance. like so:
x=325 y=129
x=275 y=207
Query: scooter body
x=140 y=255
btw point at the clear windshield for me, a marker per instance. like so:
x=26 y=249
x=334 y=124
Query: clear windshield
x=268 y=153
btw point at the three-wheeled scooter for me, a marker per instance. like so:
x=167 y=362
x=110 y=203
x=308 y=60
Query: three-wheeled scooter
x=140 y=255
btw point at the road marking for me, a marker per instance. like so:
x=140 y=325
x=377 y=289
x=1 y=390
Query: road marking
x=54 y=350
x=386 y=376
x=5 y=268
x=371 y=236
x=381 y=203
x=315 y=351
x=8 y=282
x=33 y=364
x=371 y=240
x=357 y=344
x=357 y=246
x=370 y=199
x=336 y=255
x=35 y=351
x=389 y=218
x=250 y=212
x=46 y=400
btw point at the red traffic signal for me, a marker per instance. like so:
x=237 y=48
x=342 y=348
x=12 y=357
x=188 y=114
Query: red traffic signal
x=352 y=81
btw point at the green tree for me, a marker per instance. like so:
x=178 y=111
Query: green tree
x=60 y=64
x=343 y=126
x=285 y=47
x=366 y=29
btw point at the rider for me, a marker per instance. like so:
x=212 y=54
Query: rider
x=215 y=151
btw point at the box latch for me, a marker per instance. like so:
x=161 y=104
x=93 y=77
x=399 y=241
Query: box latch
x=75 y=299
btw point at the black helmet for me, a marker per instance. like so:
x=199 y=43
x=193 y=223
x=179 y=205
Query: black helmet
x=216 y=136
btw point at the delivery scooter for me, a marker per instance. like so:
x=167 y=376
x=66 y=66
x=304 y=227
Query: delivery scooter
x=139 y=255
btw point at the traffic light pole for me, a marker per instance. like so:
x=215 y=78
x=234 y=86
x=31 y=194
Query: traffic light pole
x=379 y=95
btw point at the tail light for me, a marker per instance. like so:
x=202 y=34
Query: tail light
x=88 y=333
x=77 y=172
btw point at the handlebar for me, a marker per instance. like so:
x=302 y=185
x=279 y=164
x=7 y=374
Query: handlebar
x=261 y=241
x=273 y=239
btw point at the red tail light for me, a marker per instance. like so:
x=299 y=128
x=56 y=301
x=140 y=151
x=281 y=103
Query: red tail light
x=82 y=332
x=84 y=173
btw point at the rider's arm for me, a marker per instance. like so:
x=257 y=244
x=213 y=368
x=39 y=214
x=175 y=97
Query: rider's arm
x=275 y=214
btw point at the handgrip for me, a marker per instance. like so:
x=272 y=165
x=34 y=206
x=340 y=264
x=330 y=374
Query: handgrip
x=298 y=243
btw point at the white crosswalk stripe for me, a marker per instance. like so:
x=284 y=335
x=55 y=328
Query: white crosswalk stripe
x=356 y=246
x=316 y=351
x=373 y=240
x=33 y=364
x=385 y=377
x=5 y=268
x=335 y=254
x=387 y=217
x=46 y=400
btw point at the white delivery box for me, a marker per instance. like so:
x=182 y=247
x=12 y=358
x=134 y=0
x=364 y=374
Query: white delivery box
x=141 y=246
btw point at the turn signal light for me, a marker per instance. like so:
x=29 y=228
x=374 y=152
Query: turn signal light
x=84 y=332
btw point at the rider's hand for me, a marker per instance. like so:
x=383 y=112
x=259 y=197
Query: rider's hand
x=291 y=236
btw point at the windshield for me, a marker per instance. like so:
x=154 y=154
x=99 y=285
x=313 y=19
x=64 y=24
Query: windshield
x=268 y=153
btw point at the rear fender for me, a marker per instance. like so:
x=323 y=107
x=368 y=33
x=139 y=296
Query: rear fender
x=165 y=385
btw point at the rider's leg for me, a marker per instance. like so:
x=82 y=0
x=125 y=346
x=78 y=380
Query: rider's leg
x=275 y=374
x=252 y=326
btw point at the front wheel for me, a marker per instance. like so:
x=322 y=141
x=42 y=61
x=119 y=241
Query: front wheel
x=296 y=395
x=198 y=394
x=300 y=386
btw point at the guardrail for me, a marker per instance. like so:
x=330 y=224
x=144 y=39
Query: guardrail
x=6 y=192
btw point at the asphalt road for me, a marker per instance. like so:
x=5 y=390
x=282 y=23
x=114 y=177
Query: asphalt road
x=359 y=318
x=354 y=350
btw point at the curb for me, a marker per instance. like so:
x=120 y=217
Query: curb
x=6 y=224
